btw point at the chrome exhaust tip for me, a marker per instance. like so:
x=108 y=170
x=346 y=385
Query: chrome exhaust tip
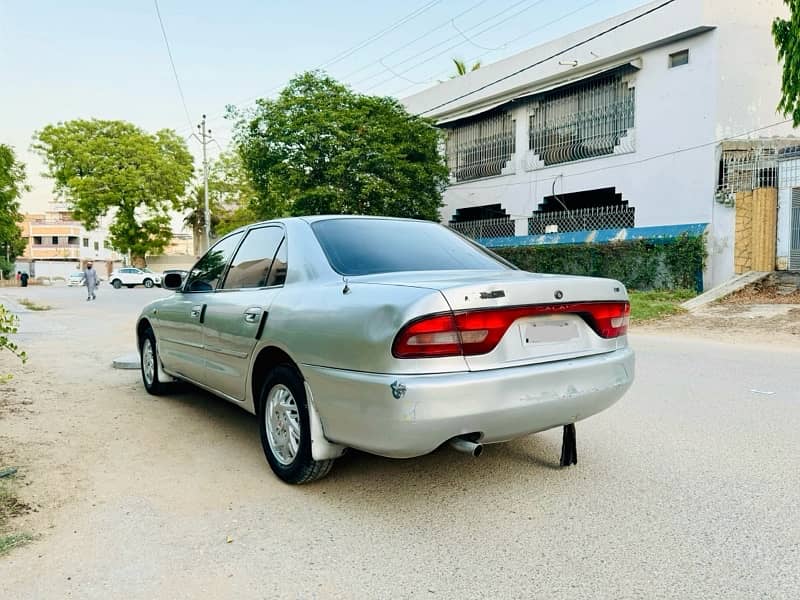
x=463 y=445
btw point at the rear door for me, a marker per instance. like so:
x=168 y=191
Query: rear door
x=237 y=313
x=180 y=319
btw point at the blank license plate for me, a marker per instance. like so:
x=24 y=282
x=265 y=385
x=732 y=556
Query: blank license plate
x=548 y=332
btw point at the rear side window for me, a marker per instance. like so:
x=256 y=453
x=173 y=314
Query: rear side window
x=367 y=246
x=255 y=259
x=208 y=270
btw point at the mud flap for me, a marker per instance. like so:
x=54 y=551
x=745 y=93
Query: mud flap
x=569 y=446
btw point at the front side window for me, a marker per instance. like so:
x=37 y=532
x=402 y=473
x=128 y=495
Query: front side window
x=367 y=246
x=254 y=260
x=205 y=275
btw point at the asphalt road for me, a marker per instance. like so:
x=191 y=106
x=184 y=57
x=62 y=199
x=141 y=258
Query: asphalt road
x=689 y=487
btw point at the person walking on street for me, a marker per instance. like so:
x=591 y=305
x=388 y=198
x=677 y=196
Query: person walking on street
x=90 y=281
x=23 y=279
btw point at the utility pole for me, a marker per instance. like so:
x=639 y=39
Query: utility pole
x=205 y=135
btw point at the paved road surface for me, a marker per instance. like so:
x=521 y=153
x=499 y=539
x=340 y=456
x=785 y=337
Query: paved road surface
x=687 y=488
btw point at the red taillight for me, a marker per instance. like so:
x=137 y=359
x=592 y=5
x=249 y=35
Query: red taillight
x=479 y=331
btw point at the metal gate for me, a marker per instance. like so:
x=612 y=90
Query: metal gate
x=794 y=234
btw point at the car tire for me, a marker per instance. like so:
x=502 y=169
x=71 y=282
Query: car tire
x=148 y=283
x=148 y=361
x=285 y=428
x=117 y=284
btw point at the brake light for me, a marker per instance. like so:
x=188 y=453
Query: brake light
x=474 y=332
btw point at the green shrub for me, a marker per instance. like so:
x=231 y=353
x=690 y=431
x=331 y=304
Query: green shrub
x=639 y=264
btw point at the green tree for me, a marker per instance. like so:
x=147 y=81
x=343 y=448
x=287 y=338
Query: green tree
x=113 y=167
x=787 y=41
x=461 y=67
x=12 y=185
x=230 y=188
x=320 y=148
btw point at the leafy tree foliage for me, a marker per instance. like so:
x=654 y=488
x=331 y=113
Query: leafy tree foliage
x=320 y=148
x=461 y=67
x=113 y=167
x=787 y=40
x=230 y=196
x=12 y=185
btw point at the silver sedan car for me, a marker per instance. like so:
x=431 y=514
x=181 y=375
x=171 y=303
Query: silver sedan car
x=391 y=336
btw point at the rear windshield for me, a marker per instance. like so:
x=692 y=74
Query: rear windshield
x=367 y=246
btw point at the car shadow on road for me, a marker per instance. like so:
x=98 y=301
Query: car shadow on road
x=358 y=476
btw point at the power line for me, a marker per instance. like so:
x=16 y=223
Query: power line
x=551 y=57
x=349 y=52
x=451 y=38
x=506 y=44
x=172 y=62
x=416 y=39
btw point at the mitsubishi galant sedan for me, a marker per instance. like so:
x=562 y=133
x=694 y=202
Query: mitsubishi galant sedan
x=391 y=336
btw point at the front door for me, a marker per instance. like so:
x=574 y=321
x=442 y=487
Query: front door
x=238 y=312
x=180 y=321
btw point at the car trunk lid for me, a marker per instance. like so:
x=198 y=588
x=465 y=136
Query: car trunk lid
x=556 y=326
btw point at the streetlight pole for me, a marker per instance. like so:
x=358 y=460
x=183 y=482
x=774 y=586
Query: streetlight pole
x=204 y=134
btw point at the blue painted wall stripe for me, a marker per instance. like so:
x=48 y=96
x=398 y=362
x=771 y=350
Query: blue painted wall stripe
x=659 y=234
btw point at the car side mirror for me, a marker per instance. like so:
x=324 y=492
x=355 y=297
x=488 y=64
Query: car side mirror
x=172 y=281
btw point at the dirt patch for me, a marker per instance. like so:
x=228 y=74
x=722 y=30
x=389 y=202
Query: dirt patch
x=739 y=323
x=778 y=288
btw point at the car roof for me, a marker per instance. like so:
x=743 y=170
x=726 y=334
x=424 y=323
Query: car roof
x=310 y=219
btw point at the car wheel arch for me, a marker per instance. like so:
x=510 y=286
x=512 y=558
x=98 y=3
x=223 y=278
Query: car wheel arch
x=268 y=359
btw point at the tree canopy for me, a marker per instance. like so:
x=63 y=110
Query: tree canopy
x=320 y=148
x=113 y=167
x=12 y=185
x=787 y=40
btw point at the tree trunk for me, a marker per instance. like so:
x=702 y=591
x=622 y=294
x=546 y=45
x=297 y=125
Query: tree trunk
x=138 y=261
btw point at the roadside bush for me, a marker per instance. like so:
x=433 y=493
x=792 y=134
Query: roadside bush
x=7 y=268
x=639 y=264
x=8 y=324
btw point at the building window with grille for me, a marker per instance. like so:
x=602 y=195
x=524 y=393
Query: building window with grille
x=85 y=242
x=487 y=221
x=96 y=246
x=481 y=147
x=72 y=240
x=106 y=244
x=586 y=120
x=54 y=240
x=37 y=240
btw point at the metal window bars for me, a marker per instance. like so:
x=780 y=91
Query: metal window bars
x=601 y=217
x=484 y=228
x=481 y=148
x=746 y=166
x=585 y=120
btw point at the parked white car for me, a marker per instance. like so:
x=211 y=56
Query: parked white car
x=131 y=276
x=75 y=279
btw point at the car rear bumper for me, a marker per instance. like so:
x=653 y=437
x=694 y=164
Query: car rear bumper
x=360 y=410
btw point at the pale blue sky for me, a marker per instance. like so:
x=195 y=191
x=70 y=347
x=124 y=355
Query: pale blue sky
x=107 y=59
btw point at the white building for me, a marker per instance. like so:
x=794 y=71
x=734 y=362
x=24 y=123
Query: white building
x=622 y=131
x=56 y=245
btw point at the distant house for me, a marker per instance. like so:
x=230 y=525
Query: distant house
x=56 y=245
x=665 y=121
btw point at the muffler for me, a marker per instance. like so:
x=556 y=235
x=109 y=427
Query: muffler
x=463 y=445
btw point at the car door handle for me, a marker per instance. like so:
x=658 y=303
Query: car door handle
x=252 y=315
x=196 y=310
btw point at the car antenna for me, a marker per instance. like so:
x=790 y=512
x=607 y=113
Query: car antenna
x=346 y=289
